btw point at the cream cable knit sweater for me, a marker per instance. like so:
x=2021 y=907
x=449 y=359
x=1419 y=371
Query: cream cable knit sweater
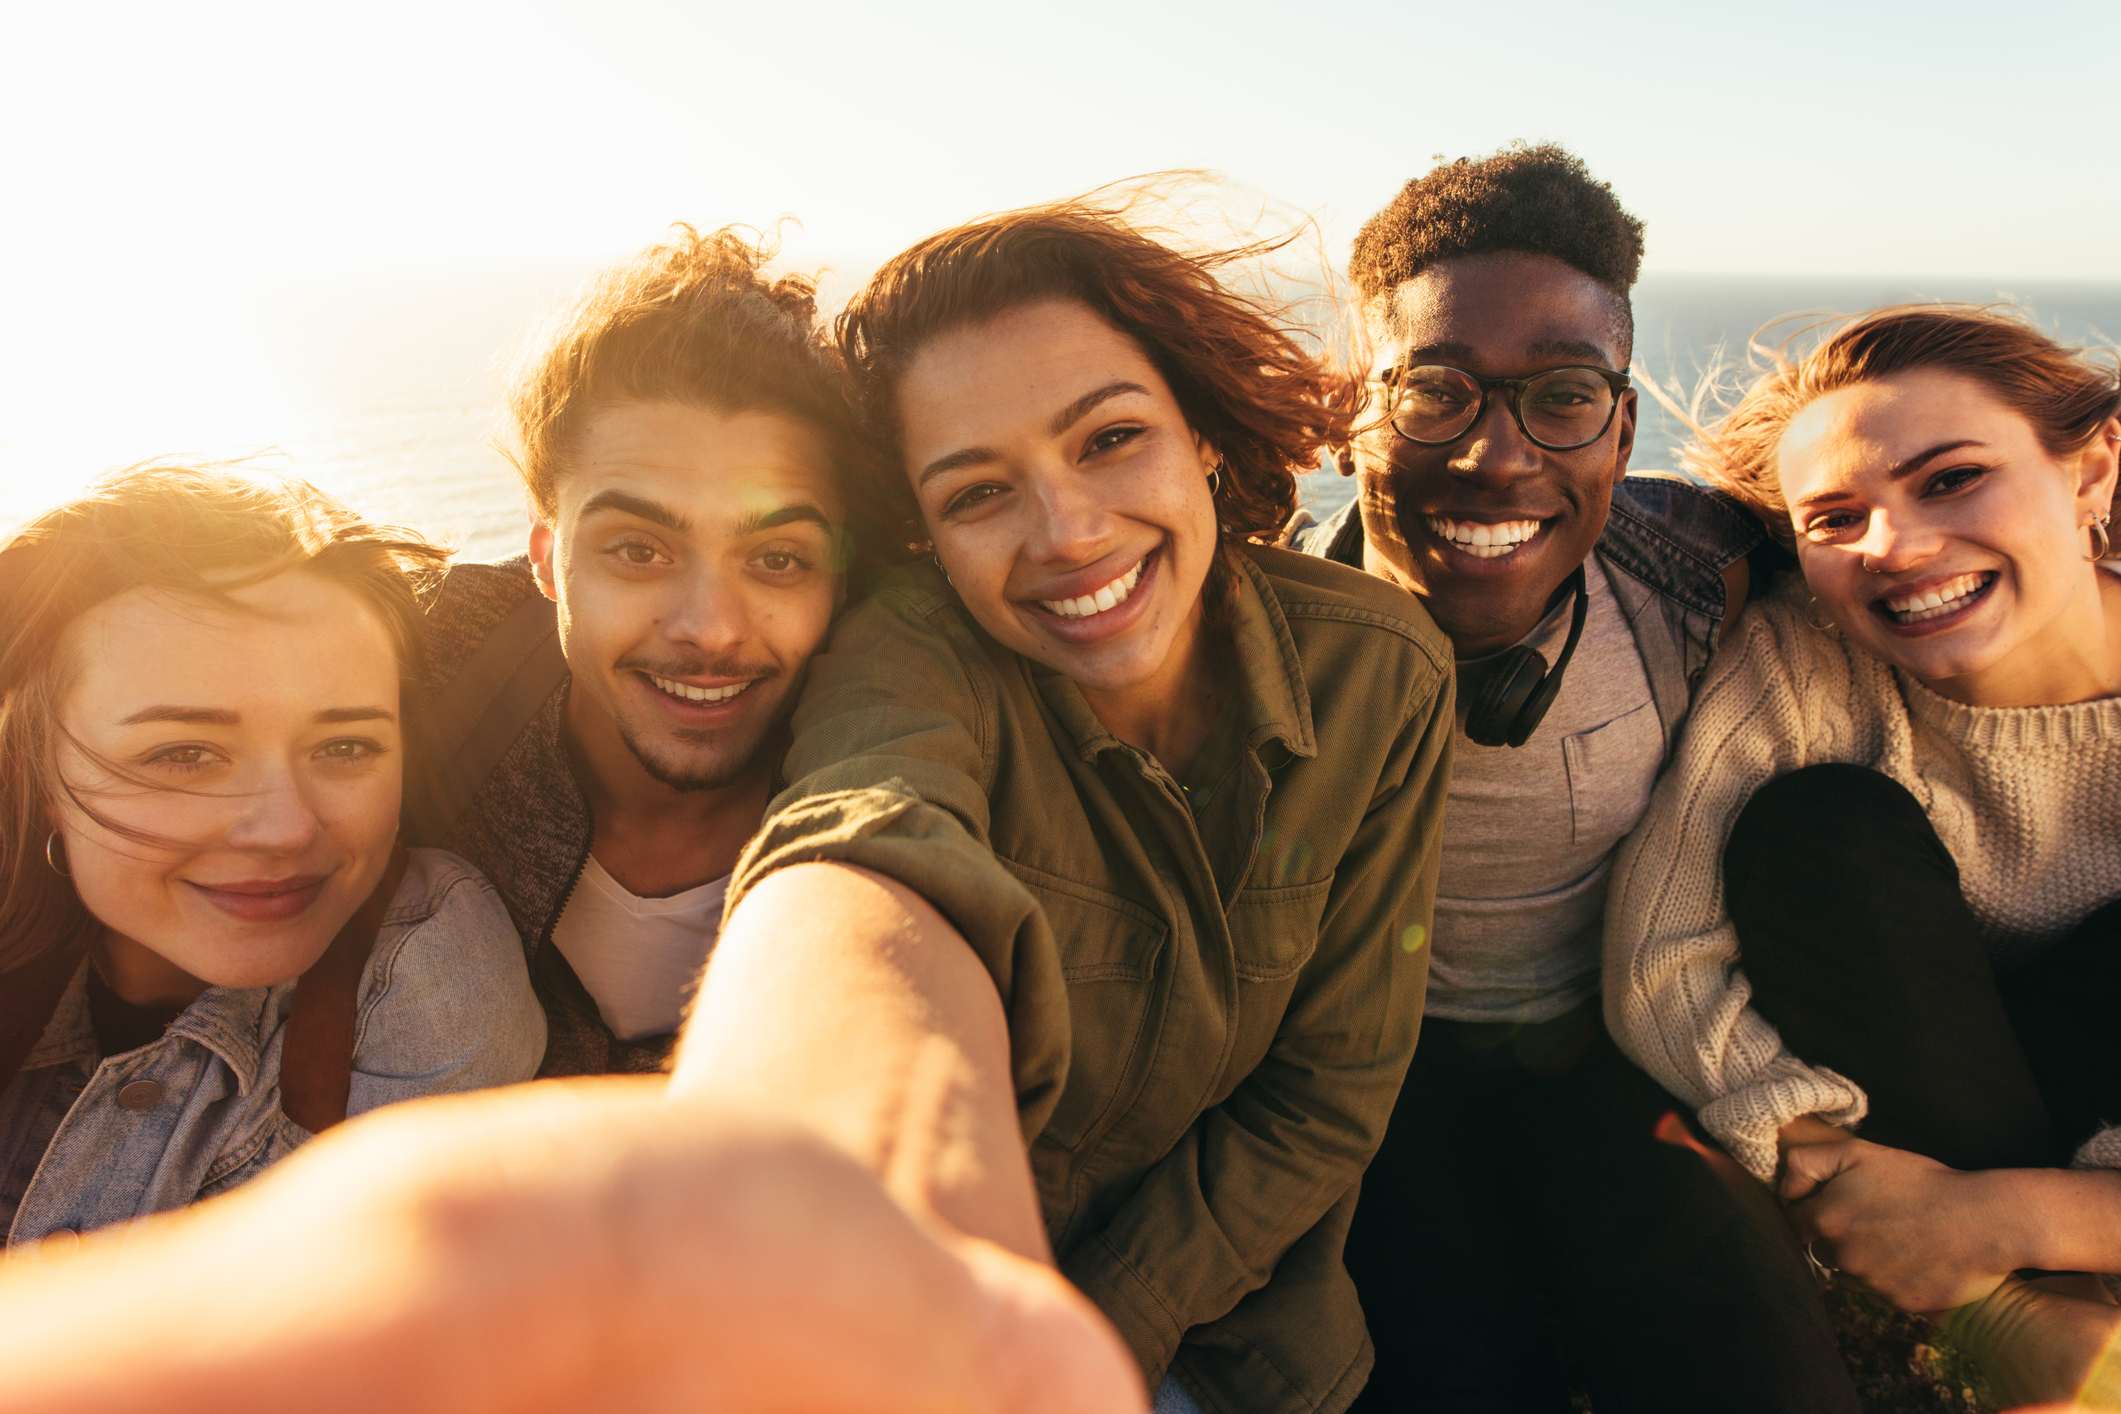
x=2028 y=800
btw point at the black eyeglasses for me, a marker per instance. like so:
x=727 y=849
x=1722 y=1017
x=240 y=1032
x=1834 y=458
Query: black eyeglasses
x=1560 y=409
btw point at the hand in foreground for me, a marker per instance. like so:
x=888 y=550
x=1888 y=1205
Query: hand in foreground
x=573 y=1246
x=1903 y=1226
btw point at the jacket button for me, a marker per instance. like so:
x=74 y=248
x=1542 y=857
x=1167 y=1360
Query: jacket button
x=58 y=1242
x=140 y=1095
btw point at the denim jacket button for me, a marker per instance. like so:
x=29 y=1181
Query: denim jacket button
x=140 y=1095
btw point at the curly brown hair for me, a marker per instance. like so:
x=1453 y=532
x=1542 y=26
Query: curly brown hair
x=1243 y=381
x=1532 y=199
x=694 y=321
x=2065 y=393
x=198 y=530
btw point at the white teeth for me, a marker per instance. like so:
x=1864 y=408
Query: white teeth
x=698 y=694
x=1935 y=603
x=1104 y=597
x=1482 y=540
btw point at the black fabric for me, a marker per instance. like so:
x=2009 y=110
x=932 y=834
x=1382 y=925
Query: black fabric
x=1525 y=1228
x=121 y=1025
x=1864 y=954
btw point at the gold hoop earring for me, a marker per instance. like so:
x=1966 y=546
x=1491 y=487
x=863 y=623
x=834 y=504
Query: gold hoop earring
x=2102 y=545
x=946 y=574
x=55 y=851
x=1812 y=617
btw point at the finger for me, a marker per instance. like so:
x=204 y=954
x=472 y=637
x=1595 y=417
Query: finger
x=1806 y=1167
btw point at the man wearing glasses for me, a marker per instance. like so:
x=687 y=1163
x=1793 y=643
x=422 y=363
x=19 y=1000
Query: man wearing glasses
x=1540 y=1218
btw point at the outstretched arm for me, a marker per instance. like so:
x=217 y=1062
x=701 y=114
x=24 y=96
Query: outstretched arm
x=841 y=1001
x=575 y=1246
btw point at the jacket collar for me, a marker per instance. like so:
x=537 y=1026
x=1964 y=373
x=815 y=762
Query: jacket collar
x=1276 y=701
x=230 y=1022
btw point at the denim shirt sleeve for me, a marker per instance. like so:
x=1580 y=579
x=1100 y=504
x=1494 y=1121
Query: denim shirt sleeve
x=446 y=1004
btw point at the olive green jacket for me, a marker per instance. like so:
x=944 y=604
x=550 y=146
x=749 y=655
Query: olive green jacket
x=1210 y=1009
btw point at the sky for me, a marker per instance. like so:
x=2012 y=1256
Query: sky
x=1853 y=137
x=161 y=165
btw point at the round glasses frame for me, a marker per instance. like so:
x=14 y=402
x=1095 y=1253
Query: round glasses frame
x=1395 y=379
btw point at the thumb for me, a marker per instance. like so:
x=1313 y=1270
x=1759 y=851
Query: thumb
x=1808 y=1166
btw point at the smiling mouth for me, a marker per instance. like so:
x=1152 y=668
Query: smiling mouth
x=1099 y=600
x=1481 y=540
x=685 y=692
x=1947 y=598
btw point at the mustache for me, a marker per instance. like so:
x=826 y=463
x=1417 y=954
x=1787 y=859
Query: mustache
x=697 y=667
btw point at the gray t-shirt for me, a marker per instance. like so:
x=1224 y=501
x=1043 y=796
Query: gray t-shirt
x=1529 y=832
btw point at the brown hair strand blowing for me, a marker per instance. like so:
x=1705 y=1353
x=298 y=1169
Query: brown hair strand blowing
x=1243 y=382
x=195 y=530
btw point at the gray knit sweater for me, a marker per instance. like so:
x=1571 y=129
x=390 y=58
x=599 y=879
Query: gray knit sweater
x=2028 y=801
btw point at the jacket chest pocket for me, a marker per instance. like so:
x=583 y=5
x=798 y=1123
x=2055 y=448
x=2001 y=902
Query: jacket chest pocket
x=1275 y=931
x=1612 y=770
x=1108 y=950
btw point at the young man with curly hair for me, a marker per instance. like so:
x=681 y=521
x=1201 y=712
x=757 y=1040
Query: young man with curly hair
x=1533 y=1182
x=608 y=711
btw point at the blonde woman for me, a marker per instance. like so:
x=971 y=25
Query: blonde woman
x=1870 y=925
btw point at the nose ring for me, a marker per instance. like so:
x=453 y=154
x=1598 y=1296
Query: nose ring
x=1869 y=568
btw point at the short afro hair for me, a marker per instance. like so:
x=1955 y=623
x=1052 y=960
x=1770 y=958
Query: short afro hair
x=1528 y=199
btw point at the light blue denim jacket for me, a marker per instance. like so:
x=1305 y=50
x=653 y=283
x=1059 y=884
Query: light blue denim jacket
x=445 y=1005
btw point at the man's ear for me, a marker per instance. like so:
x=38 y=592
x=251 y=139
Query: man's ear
x=1630 y=403
x=544 y=544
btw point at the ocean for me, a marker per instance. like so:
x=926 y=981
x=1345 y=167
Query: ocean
x=383 y=386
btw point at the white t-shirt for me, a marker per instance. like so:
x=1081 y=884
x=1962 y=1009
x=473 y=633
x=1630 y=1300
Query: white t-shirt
x=638 y=957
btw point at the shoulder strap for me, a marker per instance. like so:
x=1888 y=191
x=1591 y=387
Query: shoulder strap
x=316 y=1059
x=476 y=718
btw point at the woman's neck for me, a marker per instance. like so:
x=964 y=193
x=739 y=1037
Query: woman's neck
x=139 y=974
x=2078 y=658
x=1171 y=713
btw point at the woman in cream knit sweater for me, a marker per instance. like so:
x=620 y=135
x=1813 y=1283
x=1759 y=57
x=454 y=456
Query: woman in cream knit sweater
x=1878 y=889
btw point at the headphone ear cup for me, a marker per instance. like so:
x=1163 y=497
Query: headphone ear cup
x=1510 y=682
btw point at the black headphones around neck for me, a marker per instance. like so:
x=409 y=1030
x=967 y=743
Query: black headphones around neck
x=1517 y=688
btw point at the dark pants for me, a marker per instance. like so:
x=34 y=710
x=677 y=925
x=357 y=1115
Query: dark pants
x=1524 y=1227
x=1865 y=956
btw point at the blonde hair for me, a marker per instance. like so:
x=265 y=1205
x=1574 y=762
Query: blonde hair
x=189 y=529
x=2065 y=393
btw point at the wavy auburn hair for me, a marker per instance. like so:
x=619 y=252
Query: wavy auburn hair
x=1242 y=380
x=2065 y=393
x=201 y=531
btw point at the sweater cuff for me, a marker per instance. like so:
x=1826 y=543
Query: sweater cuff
x=1748 y=1120
x=2101 y=1151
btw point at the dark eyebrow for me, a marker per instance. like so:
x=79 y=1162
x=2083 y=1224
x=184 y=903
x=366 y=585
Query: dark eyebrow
x=190 y=716
x=654 y=512
x=1912 y=464
x=1061 y=422
x=785 y=515
x=355 y=714
x=1570 y=348
x=1457 y=353
x=1431 y=353
x=223 y=717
